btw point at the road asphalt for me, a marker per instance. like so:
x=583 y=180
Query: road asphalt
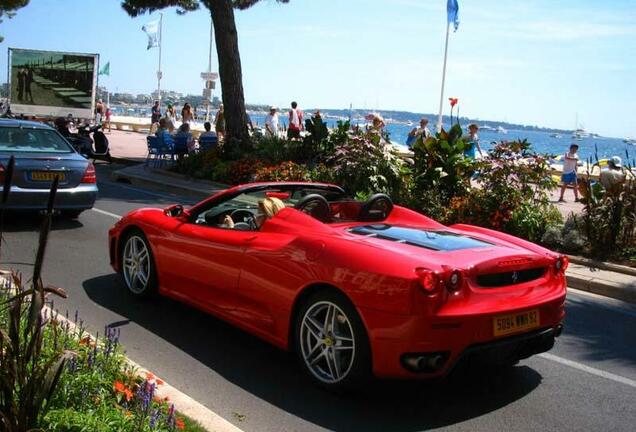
x=587 y=382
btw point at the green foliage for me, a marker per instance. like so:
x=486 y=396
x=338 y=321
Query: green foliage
x=363 y=162
x=440 y=165
x=9 y=8
x=609 y=218
x=512 y=193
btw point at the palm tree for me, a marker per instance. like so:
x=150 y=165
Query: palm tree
x=8 y=8
x=226 y=39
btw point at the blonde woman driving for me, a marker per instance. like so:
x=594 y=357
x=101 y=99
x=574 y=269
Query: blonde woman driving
x=267 y=207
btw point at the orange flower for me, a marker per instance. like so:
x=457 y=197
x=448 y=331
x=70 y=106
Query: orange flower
x=119 y=386
x=159 y=382
x=150 y=376
x=128 y=394
x=180 y=424
x=85 y=340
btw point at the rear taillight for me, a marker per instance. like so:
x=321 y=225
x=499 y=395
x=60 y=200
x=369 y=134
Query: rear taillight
x=89 y=175
x=1 y=173
x=430 y=281
x=561 y=264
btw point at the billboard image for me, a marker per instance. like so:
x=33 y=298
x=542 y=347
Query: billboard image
x=48 y=83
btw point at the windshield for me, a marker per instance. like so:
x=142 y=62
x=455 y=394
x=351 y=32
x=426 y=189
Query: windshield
x=17 y=139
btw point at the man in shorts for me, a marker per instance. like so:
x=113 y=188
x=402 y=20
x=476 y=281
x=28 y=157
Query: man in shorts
x=568 y=177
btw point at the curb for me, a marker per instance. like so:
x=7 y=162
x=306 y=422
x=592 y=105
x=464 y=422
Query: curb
x=189 y=191
x=183 y=403
x=602 y=265
x=625 y=293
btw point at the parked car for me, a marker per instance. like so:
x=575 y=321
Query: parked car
x=41 y=154
x=354 y=288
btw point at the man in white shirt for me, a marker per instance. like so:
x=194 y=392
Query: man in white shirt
x=295 y=121
x=271 y=122
x=570 y=164
x=421 y=131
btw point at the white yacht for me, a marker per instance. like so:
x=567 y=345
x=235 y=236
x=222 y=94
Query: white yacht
x=579 y=134
x=555 y=135
x=501 y=129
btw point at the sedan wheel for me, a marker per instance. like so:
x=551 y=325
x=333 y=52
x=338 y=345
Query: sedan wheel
x=138 y=266
x=331 y=341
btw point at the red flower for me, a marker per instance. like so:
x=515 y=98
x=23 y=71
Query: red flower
x=453 y=101
x=180 y=424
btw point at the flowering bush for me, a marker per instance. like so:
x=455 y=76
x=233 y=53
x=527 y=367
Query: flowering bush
x=363 y=162
x=512 y=193
x=285 y=171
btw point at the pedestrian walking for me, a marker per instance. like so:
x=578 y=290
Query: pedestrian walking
x=108 y=115
x=568 y=176
x=421 y=131
x=99 y=111
x=472 y=142
x=187 y=116
x=271 y=122
x=171 y=118
x=295 y=122
x=219 y=123
x=155 y=113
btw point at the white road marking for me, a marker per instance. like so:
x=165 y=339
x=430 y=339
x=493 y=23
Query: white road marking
x=588 y=369
x=104 y=212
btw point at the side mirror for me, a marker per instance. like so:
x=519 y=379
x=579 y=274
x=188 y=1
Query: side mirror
x=175 y=210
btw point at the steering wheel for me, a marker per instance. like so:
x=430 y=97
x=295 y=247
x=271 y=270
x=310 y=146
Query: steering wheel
x=378 y=207
x=316 y=206
x=241 y=215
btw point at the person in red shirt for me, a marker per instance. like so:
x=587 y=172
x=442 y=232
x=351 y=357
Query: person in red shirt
x=295 y=122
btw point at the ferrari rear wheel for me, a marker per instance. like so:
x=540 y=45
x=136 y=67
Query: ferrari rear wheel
x=331 y=341
x=137 y=265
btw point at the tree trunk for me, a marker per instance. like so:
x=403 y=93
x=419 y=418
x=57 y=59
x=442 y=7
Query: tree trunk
x=230 y=72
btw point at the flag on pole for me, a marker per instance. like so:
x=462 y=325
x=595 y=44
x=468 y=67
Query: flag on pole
x=453 y=13
x=105 y=70
x=152 y=30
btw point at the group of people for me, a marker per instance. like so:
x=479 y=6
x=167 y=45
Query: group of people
x=295 y=116
x=188 y=116
x=611 y=178
x=25 y=79
x=471 y=139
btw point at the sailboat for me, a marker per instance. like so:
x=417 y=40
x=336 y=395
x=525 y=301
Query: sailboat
x=579 y=132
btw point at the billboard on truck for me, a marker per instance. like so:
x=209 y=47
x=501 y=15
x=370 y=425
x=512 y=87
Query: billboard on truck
x=52 y=83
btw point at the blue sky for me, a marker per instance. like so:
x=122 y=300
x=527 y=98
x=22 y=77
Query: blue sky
x=533 y=62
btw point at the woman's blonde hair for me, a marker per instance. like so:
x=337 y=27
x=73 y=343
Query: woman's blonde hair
x=271 y=206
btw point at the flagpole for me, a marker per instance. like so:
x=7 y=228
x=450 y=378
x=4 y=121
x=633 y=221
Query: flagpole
x=159 y=71
x=207 y=109
x=441 y=96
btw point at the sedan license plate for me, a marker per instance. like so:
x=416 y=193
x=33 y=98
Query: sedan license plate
x=507 y=324
x=47 y=175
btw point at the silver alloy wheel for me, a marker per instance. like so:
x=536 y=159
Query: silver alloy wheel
x=136 y=263
x=327 y=342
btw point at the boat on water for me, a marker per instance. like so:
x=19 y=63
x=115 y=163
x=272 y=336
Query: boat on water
x=487 y=127
x=555 y=135
x=631 y=141
x=501 y=129
x=409 y=123
x=579 y=134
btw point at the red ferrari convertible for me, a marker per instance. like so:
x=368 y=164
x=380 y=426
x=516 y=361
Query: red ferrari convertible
x=354 y=288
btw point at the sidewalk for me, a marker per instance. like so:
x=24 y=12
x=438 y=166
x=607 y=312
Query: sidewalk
x=127 y=145
x=607 y=283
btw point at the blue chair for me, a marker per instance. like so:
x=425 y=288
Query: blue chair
x=155 y=150
x=180 y=146
x=208 y=142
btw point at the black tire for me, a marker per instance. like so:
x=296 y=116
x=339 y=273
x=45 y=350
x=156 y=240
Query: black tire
x=150 y=288
x=359 y=370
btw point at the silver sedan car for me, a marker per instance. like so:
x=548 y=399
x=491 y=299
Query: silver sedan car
x=41 y=154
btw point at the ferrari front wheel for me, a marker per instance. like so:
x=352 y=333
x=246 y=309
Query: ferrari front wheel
x=137 y=265
x=331 y=341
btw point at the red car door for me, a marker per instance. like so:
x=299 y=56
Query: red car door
x=202 y=264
